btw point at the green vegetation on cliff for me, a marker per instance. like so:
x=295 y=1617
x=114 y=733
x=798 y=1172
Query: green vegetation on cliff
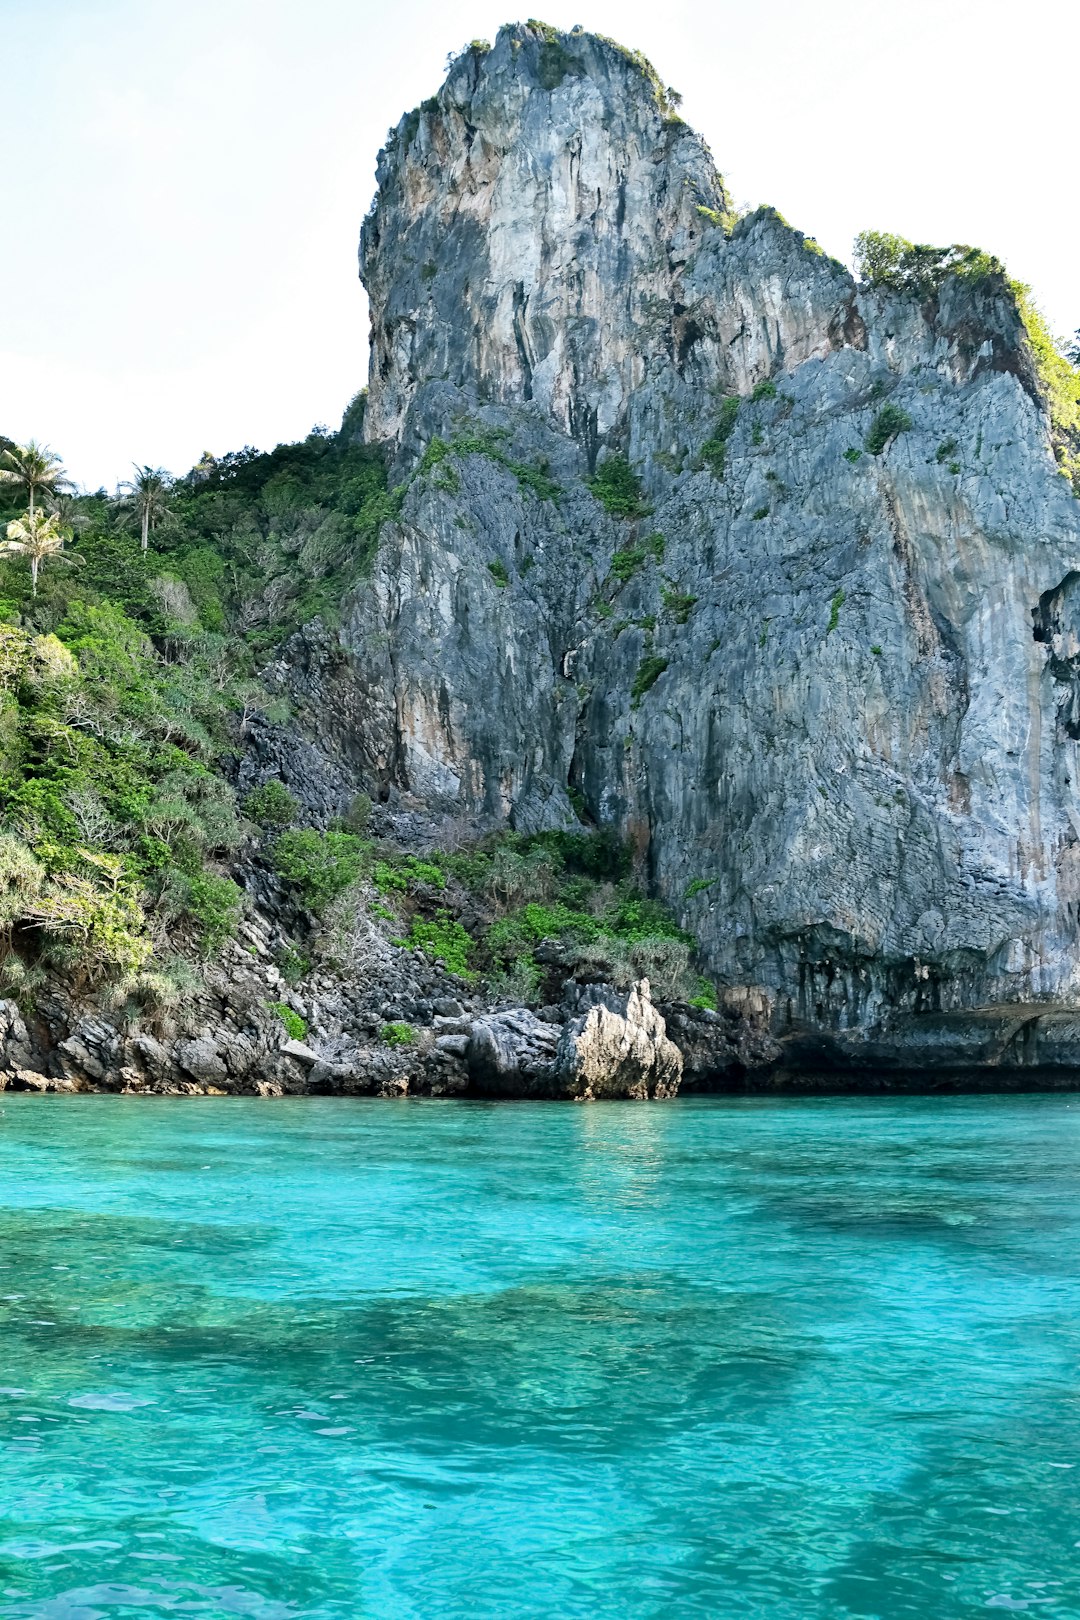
x=496 y=911
x=885 y=260
x=478 y=439
x=916 y=268
x=890 y=421
x=618 y=489
x=262 y=543
x=130 y=632
x=714 y=450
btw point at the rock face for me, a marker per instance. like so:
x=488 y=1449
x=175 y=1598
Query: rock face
x=512 y=1054
x=617 y=1046
x=531 y=223
x=830 y=696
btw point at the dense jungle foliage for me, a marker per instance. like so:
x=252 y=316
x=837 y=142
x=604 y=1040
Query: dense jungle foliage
x=127 y=675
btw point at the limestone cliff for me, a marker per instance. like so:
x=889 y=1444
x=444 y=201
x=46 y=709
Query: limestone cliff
x=832 y=696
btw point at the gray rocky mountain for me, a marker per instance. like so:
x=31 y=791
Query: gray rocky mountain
x=649 y=565
x=773 y=573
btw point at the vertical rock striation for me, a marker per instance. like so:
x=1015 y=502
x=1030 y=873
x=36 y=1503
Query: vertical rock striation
x=831 y=696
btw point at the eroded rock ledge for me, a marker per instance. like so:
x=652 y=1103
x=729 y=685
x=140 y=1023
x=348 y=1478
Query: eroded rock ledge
x=597 y=1043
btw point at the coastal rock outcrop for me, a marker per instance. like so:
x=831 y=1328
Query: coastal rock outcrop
x=615 y=1046
x=771 y=571
x=666 y=528
x=607 y=1044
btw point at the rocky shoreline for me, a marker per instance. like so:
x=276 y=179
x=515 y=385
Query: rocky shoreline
x=596 y=1043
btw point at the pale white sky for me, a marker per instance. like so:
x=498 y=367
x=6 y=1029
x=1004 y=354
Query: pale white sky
x=184 y=180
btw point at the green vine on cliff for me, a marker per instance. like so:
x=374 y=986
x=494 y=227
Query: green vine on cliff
x=667 y=99
x=889 y=421
x=1060 y=381
x=649 y=671
x=626 y=562
x=295 y=1026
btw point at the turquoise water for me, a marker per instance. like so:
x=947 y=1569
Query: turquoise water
x=413 y=1361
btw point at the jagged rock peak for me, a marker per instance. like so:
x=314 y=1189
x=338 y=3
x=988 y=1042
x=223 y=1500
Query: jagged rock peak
x=530 y=224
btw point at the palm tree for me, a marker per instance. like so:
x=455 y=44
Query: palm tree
x=148 y=493
x=35 y=467
x=69 y=515
x=37 y=536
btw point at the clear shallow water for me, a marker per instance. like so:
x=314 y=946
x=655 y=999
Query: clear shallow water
x=423 y=1361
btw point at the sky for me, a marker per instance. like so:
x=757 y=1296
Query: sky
x=184 y=183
